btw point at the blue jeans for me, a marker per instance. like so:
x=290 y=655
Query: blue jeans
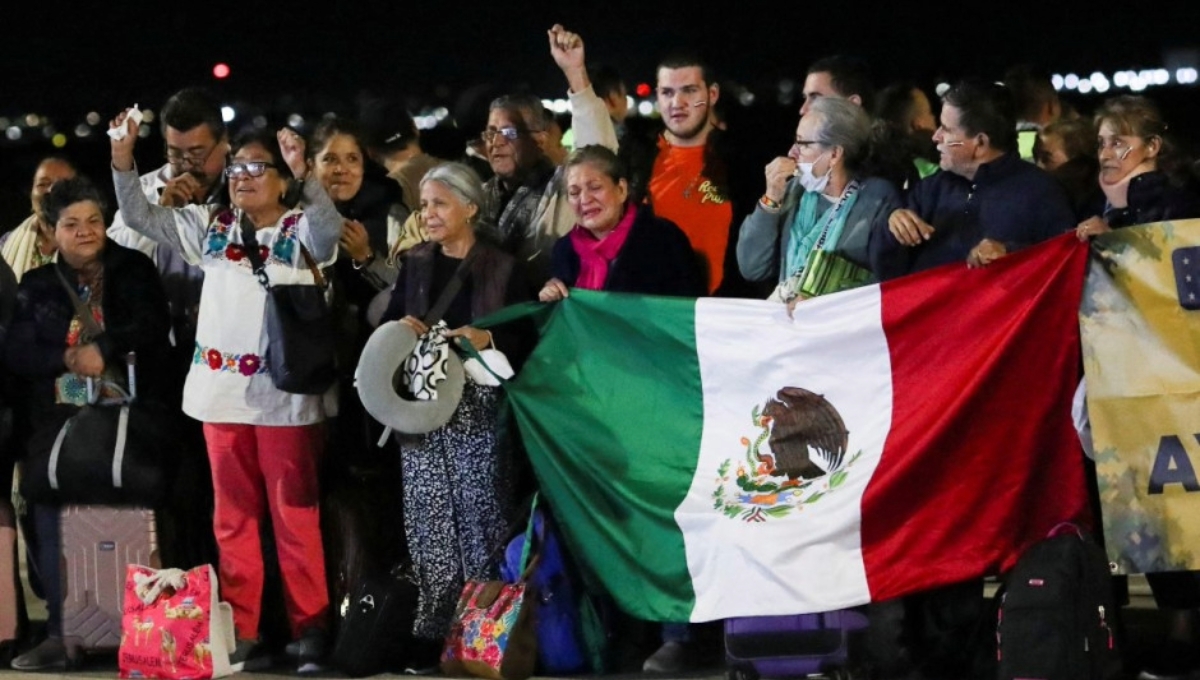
x=49 y=554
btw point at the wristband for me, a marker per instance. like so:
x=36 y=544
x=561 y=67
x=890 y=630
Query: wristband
x=769 y=203
x=365 y=263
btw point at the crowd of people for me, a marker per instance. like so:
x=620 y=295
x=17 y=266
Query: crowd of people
x=875 y=185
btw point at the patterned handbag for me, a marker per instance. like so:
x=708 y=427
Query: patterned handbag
x=493 y=634
x=174 y=626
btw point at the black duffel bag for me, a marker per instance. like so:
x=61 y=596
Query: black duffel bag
x=376 y=634
x=104 y=454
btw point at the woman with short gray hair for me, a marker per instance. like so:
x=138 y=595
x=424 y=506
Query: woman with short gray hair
x=809 y=230
x=458 y=492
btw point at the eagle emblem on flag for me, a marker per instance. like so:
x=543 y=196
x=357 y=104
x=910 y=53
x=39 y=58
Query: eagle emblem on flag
x=806 y=442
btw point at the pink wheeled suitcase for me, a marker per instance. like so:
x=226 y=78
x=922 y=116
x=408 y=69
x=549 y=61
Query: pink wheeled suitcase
x=98 y=542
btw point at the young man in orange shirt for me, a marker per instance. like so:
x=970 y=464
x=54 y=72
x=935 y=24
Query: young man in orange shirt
x=687 y=173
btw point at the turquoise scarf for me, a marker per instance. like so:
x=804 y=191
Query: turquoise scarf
x=808 y=231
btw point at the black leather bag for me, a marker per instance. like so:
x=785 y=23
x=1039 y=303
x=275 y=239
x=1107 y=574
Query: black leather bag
x=300 y=337
x=300 y=327
x=376 y=633
x=102 y=455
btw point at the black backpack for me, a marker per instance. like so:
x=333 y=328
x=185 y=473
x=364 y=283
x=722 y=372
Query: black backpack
x=1057 y=618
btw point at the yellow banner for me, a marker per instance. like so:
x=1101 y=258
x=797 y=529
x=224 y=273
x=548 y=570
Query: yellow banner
x=1140 y=322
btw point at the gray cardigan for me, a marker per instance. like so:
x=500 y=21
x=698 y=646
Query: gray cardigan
x=763 y=240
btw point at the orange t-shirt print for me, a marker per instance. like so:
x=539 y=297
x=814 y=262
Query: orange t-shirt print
x=679 y=192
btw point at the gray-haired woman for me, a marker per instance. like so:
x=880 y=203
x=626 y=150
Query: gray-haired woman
x=815 y=199
x=457 y=490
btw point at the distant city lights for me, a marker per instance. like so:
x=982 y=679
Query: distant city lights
x=1134 y=81
x=87 y=125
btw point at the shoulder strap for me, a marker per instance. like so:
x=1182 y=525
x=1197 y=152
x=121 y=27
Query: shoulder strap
x=443 y=302
x=312 y=266
x=85 y=315
x=250 y=243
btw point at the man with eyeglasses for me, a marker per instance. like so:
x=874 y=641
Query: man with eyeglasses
x=527 y=208
x=196 y=146
x=986 y=204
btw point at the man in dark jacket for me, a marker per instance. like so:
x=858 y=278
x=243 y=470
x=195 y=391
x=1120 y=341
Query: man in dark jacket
x=987 y=204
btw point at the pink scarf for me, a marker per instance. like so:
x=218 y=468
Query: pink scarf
x=595 y=256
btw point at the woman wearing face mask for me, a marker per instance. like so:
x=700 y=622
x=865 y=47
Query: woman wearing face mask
x=816 y=200
x=1135 y=162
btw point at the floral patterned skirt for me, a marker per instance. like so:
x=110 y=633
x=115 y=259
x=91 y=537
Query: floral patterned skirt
x=457 y=505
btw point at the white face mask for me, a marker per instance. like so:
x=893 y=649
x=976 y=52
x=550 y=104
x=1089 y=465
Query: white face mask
x=808 y=181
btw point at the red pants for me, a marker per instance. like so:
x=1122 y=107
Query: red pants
x=257 y=469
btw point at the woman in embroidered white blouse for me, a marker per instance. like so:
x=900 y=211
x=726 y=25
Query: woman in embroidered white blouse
x=263 y=443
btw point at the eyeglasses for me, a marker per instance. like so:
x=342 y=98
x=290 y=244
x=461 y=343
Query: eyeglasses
x=192 y=157
x=805 y=143
x=512 y=134
x=243 y=170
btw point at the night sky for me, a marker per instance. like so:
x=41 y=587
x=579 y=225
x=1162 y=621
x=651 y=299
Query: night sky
x=105 y=55
x=63 y=60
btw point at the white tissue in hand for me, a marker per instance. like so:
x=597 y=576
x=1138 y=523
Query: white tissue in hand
x=118 y=133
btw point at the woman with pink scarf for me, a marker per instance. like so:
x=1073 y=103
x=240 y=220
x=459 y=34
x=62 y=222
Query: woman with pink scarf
x=615 y=245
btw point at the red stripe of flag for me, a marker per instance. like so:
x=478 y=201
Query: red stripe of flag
x=982 y=458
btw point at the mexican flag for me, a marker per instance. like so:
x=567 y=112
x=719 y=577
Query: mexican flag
x=714 y=458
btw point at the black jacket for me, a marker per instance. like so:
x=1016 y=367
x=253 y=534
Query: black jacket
x=136 y=318
x=1153 y=198
x=656 y=259
x=1009 y=200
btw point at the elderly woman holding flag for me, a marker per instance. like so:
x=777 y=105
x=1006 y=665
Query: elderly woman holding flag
x=457 y=490
x=615 y=245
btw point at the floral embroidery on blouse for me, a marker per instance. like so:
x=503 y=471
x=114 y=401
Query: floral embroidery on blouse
x=285 y=242
x=219 y=246
x=224 y=362
x=218 y=232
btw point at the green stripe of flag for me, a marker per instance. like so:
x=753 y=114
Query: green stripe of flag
x=612 y=465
